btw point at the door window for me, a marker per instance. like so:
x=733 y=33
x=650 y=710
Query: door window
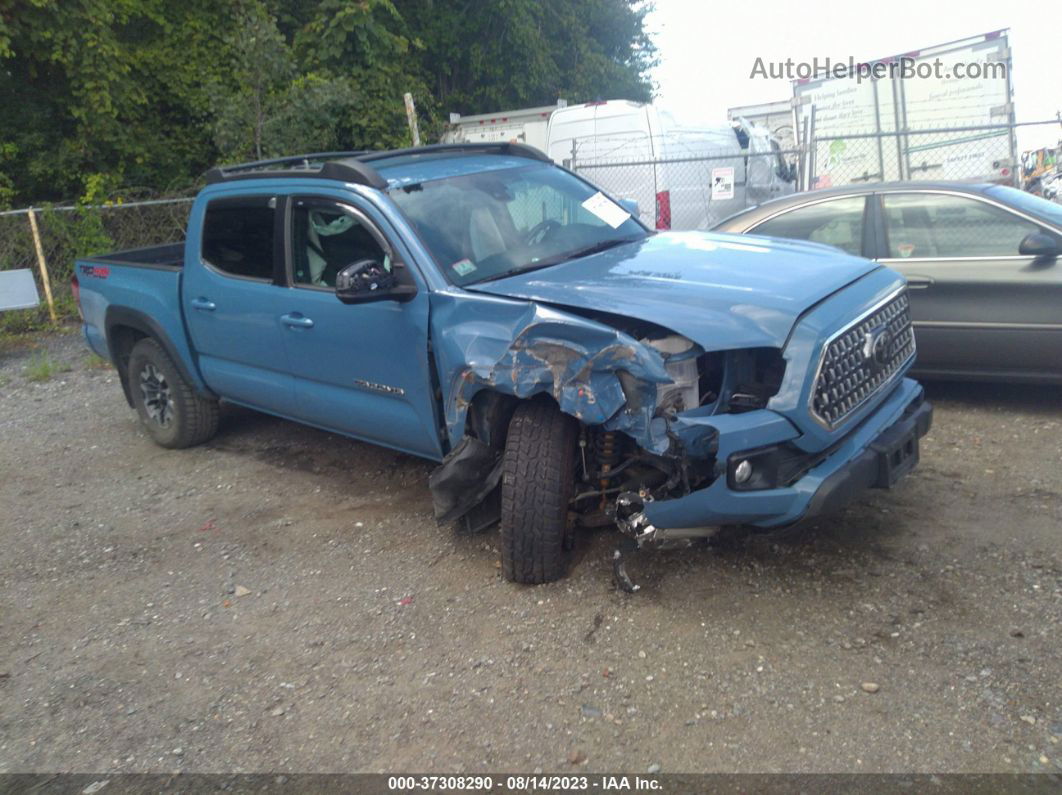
x=238 y=236
x=939 y=225
x=837 y=222
x=326 y=238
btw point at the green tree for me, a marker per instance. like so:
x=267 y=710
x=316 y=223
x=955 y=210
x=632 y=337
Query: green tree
x=150 y=93
x=483 y=55
x=255 y=87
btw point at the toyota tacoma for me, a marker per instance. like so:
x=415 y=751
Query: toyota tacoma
x=567 y=367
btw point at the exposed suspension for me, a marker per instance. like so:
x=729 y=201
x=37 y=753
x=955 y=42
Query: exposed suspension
x=607 y=452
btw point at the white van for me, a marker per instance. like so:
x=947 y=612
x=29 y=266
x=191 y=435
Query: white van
x=682 y=177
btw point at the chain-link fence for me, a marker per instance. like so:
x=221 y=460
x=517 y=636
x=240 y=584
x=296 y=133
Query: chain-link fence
x=699 y=191
x=968 y=154
x=694 y=192
x=66 y=233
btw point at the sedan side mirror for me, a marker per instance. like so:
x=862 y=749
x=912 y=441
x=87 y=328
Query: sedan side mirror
x=366 y=281
x=630 y=205
x=1039 y=245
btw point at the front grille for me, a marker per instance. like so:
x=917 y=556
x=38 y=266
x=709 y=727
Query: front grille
x=862 y=359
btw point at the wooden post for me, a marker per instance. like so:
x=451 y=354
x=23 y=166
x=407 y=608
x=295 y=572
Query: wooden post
x=411 y=117
x=45 y=280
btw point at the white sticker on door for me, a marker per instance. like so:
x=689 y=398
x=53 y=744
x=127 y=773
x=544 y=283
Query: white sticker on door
x=606 y=209
x=723 y=183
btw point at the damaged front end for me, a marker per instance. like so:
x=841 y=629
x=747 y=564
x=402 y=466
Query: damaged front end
x=639 y=391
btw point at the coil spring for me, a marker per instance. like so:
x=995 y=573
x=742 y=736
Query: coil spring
x=606 y=450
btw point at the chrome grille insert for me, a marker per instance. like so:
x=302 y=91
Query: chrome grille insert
x=861 y=359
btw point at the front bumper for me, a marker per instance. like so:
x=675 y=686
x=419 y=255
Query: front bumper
x=891 y=456
x=876 y=453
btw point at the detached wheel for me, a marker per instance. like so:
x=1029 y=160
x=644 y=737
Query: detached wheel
x=169 y=409
x=538 y=476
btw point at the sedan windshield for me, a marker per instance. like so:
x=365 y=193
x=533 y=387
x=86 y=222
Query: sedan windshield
x=495 y=223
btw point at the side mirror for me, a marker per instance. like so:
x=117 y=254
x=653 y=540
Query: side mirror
x=630 y=205
x=1039 y=245
x=366 y=281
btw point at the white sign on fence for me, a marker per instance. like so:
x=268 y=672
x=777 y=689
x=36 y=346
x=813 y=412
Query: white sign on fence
x=18 y=290
x=723 y=183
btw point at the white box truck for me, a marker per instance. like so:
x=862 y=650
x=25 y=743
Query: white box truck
x=525 y=126
x=940 y=113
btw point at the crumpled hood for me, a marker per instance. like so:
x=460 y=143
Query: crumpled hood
x=721 y=291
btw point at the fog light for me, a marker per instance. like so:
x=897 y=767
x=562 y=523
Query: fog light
x=742 y=472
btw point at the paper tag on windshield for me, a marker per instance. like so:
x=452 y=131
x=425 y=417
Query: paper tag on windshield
x=463 y=267
x=606 y=209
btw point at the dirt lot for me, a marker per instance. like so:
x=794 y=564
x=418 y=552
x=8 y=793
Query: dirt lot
x=281 y=599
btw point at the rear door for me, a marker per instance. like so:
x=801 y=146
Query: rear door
x=977 y=304
x=231 y=302
x=360 y=369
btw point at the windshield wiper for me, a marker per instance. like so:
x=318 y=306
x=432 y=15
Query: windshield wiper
x=594 y=248
x=512 y=272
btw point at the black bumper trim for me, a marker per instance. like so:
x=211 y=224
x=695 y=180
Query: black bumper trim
x=870 y=469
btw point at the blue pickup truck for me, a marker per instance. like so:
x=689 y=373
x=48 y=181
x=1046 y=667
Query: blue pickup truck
x=567 y=367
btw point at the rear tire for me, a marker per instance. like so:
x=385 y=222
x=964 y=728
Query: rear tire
x=168 y=406
x=538 y=476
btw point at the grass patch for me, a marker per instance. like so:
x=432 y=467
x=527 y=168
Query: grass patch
x=96 y=362
x=43 y=367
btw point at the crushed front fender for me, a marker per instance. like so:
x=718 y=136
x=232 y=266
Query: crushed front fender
x=597 y=374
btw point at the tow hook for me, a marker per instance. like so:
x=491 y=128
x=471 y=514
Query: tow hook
x=630 y=517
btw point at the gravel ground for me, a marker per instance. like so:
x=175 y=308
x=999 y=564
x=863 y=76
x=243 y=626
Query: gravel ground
x=281 y=599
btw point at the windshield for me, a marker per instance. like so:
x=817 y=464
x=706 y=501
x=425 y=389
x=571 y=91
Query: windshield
x=1027 y=203
x=493 y=223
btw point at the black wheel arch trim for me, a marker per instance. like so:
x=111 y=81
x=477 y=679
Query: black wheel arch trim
x=124 y=316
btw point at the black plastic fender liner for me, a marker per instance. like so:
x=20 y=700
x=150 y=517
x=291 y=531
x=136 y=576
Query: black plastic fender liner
x=464 y=479
x=135 y=319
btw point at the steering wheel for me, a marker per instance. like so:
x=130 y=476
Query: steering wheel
x=540 y=231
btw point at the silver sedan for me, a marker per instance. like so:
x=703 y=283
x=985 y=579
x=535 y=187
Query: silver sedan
x=982 y=263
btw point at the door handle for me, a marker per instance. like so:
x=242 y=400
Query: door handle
x=203 y=304
x=919 y=282
x=296 y=320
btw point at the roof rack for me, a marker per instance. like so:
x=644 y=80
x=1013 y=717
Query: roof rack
x=300 y=166
x=293 y=160
x=353 y=166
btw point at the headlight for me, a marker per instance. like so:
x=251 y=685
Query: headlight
x=680 y=360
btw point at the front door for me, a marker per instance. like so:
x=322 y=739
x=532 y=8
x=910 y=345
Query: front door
x=976 y=303
x=359 y=369
x=231 y=303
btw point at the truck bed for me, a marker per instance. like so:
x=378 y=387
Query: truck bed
x=167 y=255
x=139 y=288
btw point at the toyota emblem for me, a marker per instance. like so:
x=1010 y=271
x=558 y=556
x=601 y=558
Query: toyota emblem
x=876 y=345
